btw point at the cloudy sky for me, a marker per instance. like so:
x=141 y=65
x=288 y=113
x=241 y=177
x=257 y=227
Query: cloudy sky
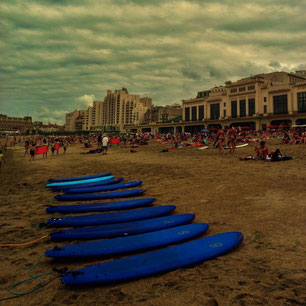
x=59 y=55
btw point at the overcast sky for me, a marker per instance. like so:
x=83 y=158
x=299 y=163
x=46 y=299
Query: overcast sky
x=59 y=55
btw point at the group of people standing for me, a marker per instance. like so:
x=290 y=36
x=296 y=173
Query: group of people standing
x=39 y=146
x=231 y=140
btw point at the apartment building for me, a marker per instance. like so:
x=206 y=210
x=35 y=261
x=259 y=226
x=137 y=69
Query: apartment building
x=118 y=108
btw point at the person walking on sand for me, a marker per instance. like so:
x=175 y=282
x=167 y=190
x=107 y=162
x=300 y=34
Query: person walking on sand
x=99 y=140
x=65 y=143
x=232 y=135
x=26 y=147
x=52 y=147
x=221 y=140
x=45 y=154
x=2 y=159
x=105 y=142
x=32 y=152
x=57 y=145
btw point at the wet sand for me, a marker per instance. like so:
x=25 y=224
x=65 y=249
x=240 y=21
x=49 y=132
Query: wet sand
x=265 y=201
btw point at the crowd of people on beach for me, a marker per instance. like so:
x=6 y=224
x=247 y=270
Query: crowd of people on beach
x=229 y=138
x=223 y=139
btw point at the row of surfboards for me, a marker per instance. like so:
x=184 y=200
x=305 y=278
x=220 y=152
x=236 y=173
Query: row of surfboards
x=131 y=226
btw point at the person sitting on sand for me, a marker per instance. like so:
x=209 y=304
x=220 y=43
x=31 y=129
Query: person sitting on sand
x=262 y=152
x=294 y=138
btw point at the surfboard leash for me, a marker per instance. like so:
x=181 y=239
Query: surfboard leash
x=23 y=244
x=31 y=277
x=37 y=226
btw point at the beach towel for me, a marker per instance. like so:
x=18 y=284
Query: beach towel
x=57 y=146
x=115 y=141
x=41 y=149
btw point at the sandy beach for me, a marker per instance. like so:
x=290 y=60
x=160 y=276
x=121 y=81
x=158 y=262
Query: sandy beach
x=263 y=200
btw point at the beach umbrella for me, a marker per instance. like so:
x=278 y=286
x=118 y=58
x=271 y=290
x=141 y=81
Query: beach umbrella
x=246 y=128
x=204 y=131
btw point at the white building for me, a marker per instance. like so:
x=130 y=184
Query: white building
x=118 y=109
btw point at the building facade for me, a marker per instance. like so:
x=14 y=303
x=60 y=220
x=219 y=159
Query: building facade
x=74 y=121
x=277 y=98
x=117 y=109
x=163 y=113
x=15 y=123
x=257 y=101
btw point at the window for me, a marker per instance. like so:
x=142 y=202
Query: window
x=187 y=114
x=215 y=111
x=202 y=94
x=242 y=108
x=265 y=99
x=301 y=102
x=201 y=112
x=194 y=113
x=265 y=109
x=234 y=109
x=280 y=104
x=233 y=90
x=224 y=113
x=251 y=107
x=224 y=104
x=241 y=88
x=251 y=87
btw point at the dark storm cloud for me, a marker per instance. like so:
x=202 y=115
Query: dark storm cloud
x=56 y=52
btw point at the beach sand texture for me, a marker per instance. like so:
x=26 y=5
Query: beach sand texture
x=265 y=201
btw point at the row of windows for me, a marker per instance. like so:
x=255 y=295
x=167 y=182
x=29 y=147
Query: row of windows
x=233 y=90
x=280 y=106
x=242 y=108
x=215 y=110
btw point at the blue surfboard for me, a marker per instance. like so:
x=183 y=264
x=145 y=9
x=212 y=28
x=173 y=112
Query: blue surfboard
x=122 y=229
x=80 y=181
x=99 y=196
x=77 y=178
x=109 y=206
x=99 y=183
x=112 y=217
x=164 y=260
x=103 y=188
x=128 y=244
